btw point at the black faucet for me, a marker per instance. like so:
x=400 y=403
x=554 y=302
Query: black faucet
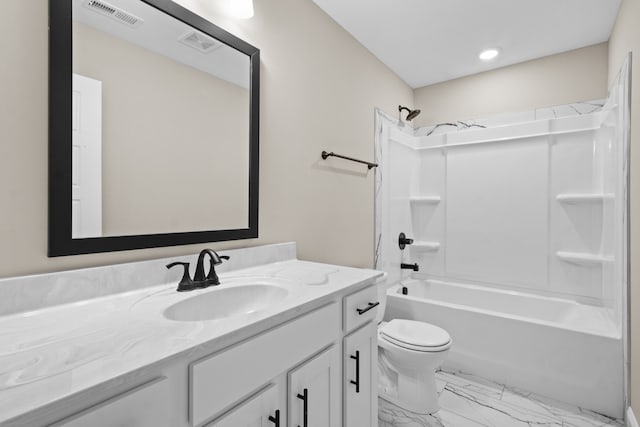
x=212 y=278
x=199 y=279
x=414 y=267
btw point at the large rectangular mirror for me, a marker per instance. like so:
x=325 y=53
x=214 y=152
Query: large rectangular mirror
x=153 y=128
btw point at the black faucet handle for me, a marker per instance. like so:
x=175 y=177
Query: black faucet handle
x=217 y=259
x=186 y=284
x=212 y=277
x=403 y=241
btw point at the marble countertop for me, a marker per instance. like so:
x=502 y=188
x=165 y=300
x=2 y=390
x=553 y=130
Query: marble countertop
x=50 y=354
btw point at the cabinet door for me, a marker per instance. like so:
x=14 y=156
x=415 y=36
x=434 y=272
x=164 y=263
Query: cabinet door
x=265 y=409
x=361 y=377
x=314 y=391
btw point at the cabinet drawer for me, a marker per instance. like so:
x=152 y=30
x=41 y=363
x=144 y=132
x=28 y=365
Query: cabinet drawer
x=360 y=300
x=146 y=406
x=222 y=379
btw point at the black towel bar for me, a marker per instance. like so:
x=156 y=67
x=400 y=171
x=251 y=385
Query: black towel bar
x=332 y=154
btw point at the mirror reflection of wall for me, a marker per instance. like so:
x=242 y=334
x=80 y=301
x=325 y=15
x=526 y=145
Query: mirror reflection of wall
x=169 y=147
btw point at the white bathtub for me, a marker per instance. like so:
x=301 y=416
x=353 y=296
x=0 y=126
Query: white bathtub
x=549 y=346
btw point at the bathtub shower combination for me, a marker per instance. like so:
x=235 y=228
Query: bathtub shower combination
x=520 y=234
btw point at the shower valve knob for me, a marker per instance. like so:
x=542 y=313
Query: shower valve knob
x=403 y=241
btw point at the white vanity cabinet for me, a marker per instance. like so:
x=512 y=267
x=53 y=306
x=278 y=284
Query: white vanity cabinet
x=315 y=369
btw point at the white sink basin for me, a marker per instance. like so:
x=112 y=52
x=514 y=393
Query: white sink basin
x=224 y=302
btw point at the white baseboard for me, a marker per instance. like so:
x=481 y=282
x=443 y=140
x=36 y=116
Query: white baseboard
x=631 y=418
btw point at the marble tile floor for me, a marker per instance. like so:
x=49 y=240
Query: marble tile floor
x=468 y=401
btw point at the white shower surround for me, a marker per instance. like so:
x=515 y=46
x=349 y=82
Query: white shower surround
x=534 y=208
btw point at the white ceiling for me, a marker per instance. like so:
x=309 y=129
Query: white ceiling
x=430 y=41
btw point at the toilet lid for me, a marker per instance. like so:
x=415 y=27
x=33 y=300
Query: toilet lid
x=414 y=334
x=415 y=347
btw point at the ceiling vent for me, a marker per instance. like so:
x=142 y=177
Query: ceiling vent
x=115 y=13
x=200 y=42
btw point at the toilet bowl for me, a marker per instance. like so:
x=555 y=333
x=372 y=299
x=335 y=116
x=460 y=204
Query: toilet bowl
x=413 y=351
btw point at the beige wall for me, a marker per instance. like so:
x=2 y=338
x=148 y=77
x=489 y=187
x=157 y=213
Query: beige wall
x=624 y=39
x=577 y=75
x=170 y=132
x=319 y=90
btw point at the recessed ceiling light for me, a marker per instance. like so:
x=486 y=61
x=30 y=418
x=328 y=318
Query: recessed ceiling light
x=489 y=54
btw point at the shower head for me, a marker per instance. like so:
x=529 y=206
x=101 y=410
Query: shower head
x=412 y=113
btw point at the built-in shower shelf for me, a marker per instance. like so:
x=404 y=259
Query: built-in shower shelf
x=423 y=246
x=427 y=200
x=575 y=198
x=584 y=259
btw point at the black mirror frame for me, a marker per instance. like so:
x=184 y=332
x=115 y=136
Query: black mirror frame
x=60 y=114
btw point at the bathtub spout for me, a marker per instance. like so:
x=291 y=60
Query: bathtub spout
x=414 y=267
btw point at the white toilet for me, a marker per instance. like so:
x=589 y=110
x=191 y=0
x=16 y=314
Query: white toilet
x=413 y=351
